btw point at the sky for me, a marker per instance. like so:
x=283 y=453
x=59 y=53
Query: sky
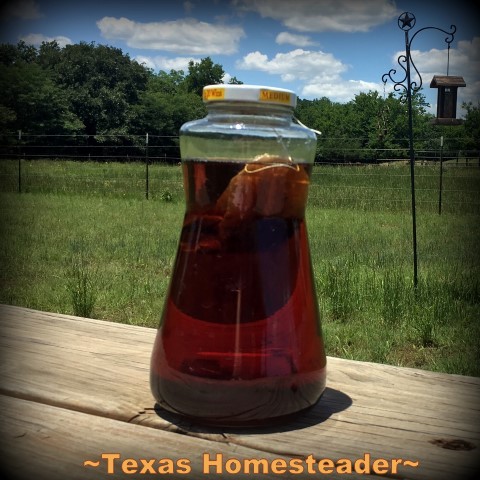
x=317 y=48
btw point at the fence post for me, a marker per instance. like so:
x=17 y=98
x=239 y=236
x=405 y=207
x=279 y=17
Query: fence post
x=19 y=162
x=441 y=177
x=146 y=167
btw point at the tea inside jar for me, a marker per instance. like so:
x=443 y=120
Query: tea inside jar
x=238 y=236
x=241 y=320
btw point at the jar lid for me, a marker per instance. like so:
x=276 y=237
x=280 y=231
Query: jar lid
x=249 y=93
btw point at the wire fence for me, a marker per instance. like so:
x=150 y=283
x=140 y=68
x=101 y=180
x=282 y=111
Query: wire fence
x=135 y=166
x=165 y=149
x=99 y=148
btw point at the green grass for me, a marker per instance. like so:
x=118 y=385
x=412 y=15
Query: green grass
x=75 y=244
x=367 y=188
x=387 y=188
x=54 y=246
x=371 y=311
x=111 y=180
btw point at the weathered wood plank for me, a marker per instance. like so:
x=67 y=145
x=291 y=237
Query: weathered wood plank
x=45 y=442
x=102 y=368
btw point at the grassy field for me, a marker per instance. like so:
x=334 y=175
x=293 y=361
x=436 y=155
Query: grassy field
x=82 y=239
x=369 y=188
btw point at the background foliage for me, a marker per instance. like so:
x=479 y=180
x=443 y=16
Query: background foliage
x=97 y=90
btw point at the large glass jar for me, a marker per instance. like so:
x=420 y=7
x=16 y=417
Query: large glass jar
x=240 y=342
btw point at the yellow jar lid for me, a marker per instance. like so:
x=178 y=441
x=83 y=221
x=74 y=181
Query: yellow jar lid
x=249 y=93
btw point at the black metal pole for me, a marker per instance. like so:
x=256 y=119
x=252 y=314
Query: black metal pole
x=19 y=162
x=146 y=167
x=412 y=162
x=441 y=178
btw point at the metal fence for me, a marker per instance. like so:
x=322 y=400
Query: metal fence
x=120 y=148
x=133 y=166
x=165 y=149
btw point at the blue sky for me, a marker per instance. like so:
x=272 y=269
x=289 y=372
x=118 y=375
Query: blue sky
x=331 y=48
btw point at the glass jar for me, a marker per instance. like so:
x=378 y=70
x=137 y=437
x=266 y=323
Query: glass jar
x=240 y=340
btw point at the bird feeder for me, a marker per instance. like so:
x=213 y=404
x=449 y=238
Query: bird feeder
x=447 y=99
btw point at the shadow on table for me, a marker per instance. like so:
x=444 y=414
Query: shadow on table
x=332 y=401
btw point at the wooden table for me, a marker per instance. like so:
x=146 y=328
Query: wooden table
x=76 y=390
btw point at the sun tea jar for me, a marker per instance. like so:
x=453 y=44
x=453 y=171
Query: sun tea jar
x=240 y=340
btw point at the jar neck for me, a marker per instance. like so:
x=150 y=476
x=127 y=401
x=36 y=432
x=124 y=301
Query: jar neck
x=249 y=111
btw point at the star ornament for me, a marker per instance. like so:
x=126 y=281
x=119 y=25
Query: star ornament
x=406 y=21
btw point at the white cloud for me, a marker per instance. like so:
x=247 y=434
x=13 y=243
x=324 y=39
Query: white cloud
x=37 y=39
x=293 y=39
x=187 y=36
x=338 y=91
x=23 y=9
x=319 y=74
x=324 y=15
x=295 y=65
x=166 y=64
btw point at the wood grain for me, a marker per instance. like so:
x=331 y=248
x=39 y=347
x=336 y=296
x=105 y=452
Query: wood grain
x=86 y=372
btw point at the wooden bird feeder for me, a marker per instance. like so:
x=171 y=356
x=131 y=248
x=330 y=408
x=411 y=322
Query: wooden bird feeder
x=447 y=99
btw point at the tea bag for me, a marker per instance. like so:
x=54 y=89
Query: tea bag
x=238 y=199
x=268 y=186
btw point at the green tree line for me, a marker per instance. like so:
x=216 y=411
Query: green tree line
x=98 y=91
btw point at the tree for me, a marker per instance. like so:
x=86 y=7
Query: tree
x=333 y=120
x=102 y=84
x=8 y=118
x=166 y=105
x=203 y=73
x=235 y=81
x=33 y=103
x=472 y=123
x=17 y=54
x=49 y=55
x=168 y=83
x=366 y=120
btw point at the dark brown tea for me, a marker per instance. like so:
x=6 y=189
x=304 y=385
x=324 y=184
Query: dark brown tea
x=240 y=340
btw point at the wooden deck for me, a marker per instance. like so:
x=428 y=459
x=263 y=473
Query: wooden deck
x=74 y=389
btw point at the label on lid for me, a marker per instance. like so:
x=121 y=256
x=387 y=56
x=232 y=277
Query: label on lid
x=274 y=96
x=213 y=94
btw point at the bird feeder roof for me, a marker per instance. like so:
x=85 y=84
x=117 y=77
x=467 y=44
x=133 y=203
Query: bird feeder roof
x=447 y=81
